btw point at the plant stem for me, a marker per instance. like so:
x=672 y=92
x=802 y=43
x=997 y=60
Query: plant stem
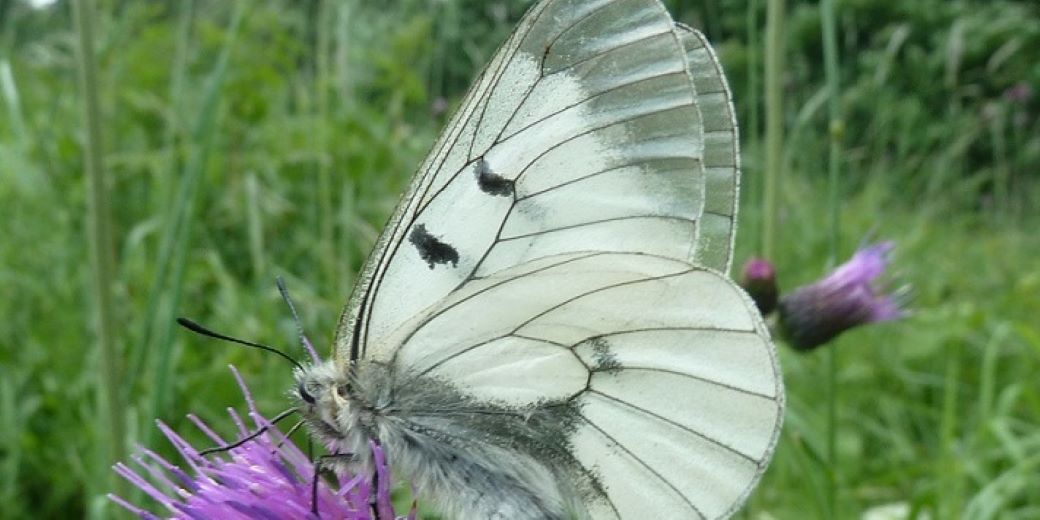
x=323 y=121
x=111 y=423
x=950 y=503
x=774 y=66
x=752 y=135
x=836 y=125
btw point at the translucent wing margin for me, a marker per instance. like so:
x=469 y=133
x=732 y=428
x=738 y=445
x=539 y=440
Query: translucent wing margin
x=721 y=153
x=583 y=133
x=669 y=367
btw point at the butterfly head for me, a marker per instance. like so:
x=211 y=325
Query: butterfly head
x=322 y=395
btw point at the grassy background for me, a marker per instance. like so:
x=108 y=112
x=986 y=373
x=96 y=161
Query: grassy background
x=242 y=142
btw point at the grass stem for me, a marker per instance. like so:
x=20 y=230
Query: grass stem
x=773 y=170
x=950 y=503
x=834 y=164
x=111 y=421
x=326 y=215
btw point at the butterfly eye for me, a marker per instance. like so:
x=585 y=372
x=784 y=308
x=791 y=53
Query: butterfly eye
x=304 y=395
x=343 y=391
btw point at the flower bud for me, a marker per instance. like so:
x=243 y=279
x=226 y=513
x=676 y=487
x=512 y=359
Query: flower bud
x=759 y=280
x=847 y=297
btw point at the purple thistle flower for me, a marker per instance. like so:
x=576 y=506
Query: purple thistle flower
x=268 y=478
x=848 y=297
x=759 y=280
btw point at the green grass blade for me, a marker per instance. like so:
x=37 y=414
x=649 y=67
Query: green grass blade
x=202 y=142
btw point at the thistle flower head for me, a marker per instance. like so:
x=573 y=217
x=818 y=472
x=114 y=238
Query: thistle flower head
x=759 y=280
x=847 y=297
x=269 y=477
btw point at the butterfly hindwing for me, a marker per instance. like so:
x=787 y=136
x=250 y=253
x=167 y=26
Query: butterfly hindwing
x=668 y=367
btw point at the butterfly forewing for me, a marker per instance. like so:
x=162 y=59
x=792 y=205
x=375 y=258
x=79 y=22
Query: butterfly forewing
x=449 y=153
x=583 y=133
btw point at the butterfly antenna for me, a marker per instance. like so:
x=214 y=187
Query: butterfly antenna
x=251 y=436
x=296 y=319
x=199 y=329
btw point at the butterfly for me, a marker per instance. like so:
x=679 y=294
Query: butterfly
x=545 y=329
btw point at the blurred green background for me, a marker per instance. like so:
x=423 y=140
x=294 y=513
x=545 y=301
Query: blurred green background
x=247 y=140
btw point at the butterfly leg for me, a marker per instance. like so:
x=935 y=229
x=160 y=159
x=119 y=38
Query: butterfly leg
x=319 y=464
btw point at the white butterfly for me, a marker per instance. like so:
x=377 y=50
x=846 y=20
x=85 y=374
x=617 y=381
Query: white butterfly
x=544 y=329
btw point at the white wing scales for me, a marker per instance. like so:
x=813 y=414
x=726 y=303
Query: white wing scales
x=503 y=304
x=542 y=253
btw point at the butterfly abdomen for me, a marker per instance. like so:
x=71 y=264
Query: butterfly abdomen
x=477 y=482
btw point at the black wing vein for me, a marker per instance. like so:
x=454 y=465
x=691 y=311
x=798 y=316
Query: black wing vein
x=702 y=435
x=594 y=223
x=653 y=471
x=635 y=162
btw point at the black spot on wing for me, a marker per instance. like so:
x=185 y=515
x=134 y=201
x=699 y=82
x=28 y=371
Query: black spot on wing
x=431 y=249
x=492 y=183
x=606 y=361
